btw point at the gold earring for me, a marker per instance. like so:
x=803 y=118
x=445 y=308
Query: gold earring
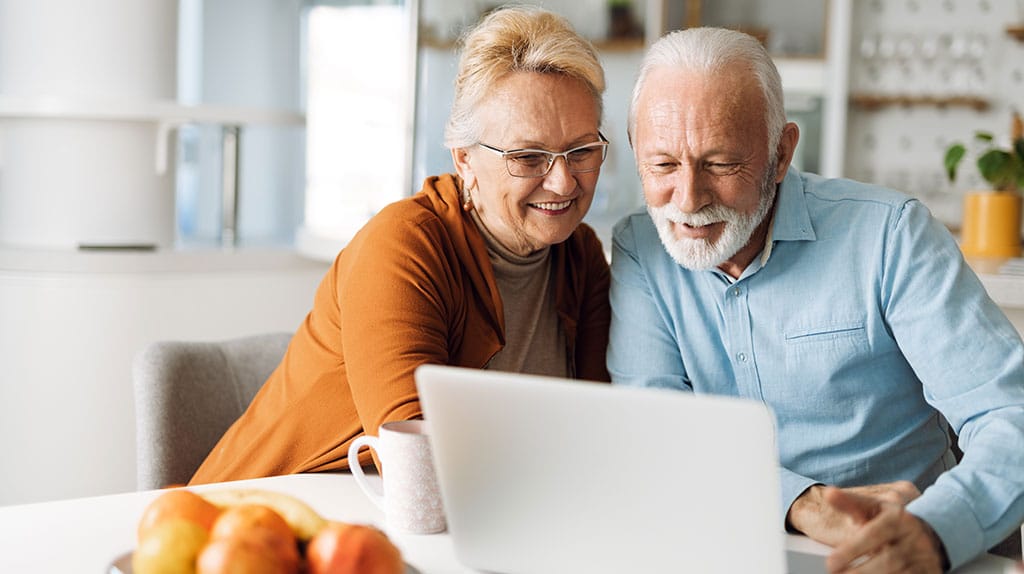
x=467 y=205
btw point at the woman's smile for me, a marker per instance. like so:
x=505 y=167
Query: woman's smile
x=552 y=207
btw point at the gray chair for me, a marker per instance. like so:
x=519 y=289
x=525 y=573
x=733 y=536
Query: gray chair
x=187 y=394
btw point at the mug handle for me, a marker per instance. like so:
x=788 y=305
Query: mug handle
x=357 y=470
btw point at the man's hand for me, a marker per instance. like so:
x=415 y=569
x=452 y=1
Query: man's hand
x=812 y=515
x=887 y=537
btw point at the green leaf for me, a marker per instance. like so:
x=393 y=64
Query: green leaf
x=984 y=136
x=996 y=166
x=1018 y=163
x=954 y=154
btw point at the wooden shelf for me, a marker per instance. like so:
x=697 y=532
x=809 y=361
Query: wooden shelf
x=877 y=101
x=1017 y=32
x=436 y=43
x=619 y=44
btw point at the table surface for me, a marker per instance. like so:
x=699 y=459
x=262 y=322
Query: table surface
x=1005 y=288
x=87 y=534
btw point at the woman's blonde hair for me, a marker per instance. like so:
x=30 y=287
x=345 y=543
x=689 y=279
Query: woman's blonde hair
x=516 y=39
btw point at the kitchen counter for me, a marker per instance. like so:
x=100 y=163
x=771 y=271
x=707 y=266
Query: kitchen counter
x=71 y=323
x=1004 y=281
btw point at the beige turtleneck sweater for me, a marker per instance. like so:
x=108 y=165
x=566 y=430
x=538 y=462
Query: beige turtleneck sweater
x=534 y=341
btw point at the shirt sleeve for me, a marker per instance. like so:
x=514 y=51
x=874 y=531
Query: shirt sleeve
x=792 y=486
x=970 y=360
x=642 y=348
x=396 y=300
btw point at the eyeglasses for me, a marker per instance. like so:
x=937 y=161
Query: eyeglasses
x=538 y=162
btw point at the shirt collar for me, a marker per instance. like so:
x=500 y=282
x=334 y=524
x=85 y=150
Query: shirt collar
x=791 y=221
x=768 y=241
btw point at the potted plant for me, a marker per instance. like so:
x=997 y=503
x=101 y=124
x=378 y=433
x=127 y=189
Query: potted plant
x=621 y=21
x=992 y=219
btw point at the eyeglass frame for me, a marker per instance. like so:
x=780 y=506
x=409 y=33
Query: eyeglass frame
x=552 y=156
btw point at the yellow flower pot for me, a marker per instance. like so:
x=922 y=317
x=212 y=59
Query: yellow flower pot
x=991 y=225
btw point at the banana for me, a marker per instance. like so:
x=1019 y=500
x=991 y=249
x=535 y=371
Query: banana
x=304 y=521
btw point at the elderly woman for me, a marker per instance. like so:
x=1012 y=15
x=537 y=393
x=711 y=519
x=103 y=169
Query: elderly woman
x=488 y=269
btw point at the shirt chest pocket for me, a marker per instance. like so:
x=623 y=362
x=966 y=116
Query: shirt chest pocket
x=822 y=348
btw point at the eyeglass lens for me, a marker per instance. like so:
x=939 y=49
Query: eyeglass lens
x=536 y=163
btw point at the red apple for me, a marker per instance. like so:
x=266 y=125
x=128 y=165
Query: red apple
x=341 y=548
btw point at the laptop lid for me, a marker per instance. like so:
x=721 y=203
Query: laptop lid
x=548 y=475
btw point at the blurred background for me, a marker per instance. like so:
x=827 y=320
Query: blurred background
x=187 y=169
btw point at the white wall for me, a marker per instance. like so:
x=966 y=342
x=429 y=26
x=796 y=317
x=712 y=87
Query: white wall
x=71 y=325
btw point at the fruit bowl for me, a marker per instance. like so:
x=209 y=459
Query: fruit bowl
x=123 y=565
x=249 y=530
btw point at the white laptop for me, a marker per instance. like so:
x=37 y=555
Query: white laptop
x=546 y=475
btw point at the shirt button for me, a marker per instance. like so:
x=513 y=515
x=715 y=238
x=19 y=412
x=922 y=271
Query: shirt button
x=741 y=357
x=736 y=291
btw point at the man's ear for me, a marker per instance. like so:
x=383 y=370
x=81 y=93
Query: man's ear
x=460 y=157
x=787 y=147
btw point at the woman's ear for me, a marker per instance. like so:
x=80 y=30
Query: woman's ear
x=460 y=157
x=787 y=147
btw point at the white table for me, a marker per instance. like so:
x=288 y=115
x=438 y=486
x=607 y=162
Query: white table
x=86 y=534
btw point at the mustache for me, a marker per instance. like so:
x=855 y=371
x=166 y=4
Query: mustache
x=709 y=214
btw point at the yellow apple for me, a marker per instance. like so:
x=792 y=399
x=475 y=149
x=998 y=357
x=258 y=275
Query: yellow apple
x=170 y=547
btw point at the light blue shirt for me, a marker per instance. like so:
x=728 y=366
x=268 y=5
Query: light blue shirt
x=861 y=327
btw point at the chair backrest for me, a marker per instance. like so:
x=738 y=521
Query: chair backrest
x=187 y=394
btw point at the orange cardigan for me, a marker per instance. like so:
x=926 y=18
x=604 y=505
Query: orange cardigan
x=414 y=286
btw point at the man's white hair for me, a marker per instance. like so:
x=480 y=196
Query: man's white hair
x=711 y=51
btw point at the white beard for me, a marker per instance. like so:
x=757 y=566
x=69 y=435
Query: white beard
x=701 y=254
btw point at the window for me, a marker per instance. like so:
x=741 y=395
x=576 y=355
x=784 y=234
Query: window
x=359 y=70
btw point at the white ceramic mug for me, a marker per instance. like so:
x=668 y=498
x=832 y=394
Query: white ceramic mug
x=411 y=500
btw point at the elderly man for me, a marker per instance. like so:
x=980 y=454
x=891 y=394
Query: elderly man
x=844 y=307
